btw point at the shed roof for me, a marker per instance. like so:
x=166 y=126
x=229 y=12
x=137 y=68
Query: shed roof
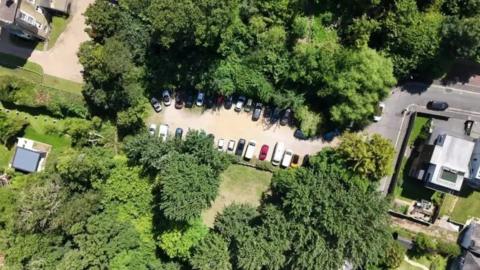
x=26 y=160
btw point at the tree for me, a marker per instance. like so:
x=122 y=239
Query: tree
x=463 y=37
x=10 y=126
x=234 y=221
x=369 y=156
x=211 y=253
x=130 y=121
x=178 y=242
x=394 y=256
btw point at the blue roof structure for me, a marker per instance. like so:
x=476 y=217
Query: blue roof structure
x=26 y=160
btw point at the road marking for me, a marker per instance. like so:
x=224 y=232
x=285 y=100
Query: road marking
x=463 y=111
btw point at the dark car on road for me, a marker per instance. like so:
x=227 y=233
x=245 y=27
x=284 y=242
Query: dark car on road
x=189 y=101
x=156 y=105
x=300 y=135
x=275 y=115
x=329 y=136
x=179 y=101
x=263 y=152
x=257 y=111
x=437 y=105
x=287 y=115
x=178 y=133
x=228 y=103
x=240 y=146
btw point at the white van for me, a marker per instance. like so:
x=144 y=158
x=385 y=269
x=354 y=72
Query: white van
x=278 y=153
x=250 y=150
x=287 y=158
x=163 y=132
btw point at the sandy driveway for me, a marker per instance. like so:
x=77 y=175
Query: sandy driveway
x=61 y=60
x=228 y=124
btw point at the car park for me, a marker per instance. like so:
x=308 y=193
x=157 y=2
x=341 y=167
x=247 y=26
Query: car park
x=295 y=161
x=200 y=99
x=275 y=115
x=178 y=133
x=179 y=101
x=263 y=152
x=287 y=114
x=152 y=129
x=156 y=105
x=248 y=105
x=163 y=132
x=257 y=112
x=240 y=147
x=166 y=98
x=228 y=103
x=239 y=104
x=231 y=146
x=287 y=158
x=300 y=135
x=278 y=153
x=220 y=144
x=189 y=101
x=250 y=150
x=379 y=111
x=437 y=105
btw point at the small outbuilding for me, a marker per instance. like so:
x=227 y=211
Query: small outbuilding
x=30 y=156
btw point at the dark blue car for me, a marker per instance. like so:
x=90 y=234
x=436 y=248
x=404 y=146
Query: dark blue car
x=329 y=136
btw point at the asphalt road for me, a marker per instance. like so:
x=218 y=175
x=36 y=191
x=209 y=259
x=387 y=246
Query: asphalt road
x=462 y=102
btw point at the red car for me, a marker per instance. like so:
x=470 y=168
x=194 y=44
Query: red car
x=263 y=152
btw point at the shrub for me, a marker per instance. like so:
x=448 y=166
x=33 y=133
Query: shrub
x=448 y=249
x=424 y=243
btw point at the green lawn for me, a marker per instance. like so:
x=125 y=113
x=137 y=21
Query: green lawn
x=240 y=184
x=13 y=62
x=417 y=128
x=58 y=26
x=447 y=205
x=62 y=84
x=5 y=156
x=467 y=206
x=406 y=266
x=411 y=189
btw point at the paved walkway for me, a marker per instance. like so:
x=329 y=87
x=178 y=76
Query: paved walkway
x=61 y=60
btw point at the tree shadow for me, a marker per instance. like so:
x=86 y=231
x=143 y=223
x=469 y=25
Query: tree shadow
x=415 y=87
x=461 y=72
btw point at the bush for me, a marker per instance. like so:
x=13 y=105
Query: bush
x=448 y=249
x=425 y=244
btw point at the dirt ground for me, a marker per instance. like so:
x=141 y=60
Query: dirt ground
x=228 y=124
x=61 y=60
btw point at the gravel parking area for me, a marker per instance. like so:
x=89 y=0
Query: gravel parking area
x=230 y=125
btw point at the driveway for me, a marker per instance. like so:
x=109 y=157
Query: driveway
x=61 y=60
x=230 y=125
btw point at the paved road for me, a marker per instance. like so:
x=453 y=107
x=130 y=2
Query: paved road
x=463 y=103
x=61 y=60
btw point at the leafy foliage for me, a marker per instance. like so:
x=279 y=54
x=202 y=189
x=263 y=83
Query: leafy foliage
x=10 y=126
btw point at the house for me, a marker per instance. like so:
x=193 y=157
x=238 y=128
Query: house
x=470 y=243
x=62 y=6
x=448 y=160
x=24 y=18
x=30 y=156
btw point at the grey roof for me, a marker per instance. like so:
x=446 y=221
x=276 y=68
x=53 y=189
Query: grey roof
x=471 y=262
x=8 y=9
x=470 y=238
x=26 y=160
x=59 y=5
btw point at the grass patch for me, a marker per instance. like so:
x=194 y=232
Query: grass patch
x=409 y=188
x=406 y=266
x=240 y=184
x=58 y=26
x=5 y=156
x=417 y=129
x=62 y=84
x=13 y=62
x=447 y=205
x=467 y=206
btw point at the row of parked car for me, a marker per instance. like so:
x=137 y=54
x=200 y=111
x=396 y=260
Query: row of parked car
x=281 y=157
x=284 y=116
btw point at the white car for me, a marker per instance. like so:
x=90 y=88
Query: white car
x=167 y=100
x=231 y=146
x=200 y=99
x=221 y=144
x=287 y=158
x=250 y=150
x=152 y=129
x=239 y=104
x=378 y=113
x=163 y=132
x=278 y=153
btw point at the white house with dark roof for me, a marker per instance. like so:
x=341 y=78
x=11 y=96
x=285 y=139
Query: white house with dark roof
x=30 y=156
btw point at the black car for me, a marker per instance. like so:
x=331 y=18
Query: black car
x=178 y=133
x=240 y=146
x=437 y=105
x=286 y=117
x=306 y=161
x=257 y=111
x=179 y=101
x=228 y=102
x=275 y=115
x=189 y=101
x=267 y=113
x=300 y=135
x=209 y=102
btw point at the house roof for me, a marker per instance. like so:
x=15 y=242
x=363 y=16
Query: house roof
x=471 y=262
x=59 y=5
x=8 y=9
x=470 y=238
x=26 y=160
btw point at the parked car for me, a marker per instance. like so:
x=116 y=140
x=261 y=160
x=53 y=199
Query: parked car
x=220 y=144
x=200 y=99
x=295 y=161
x=231 y=146
x=178 y=133
x=278 y=153
x=163 y=132
x=329 y=136
x=156 y=105
x=179 y=101
x=240 y=147
x=166 y=98
x=306 y=161
x=219 y=100
x=257 y=112
x=287 y=115
x=250 y=150
x=275 y=115
x=300 y=135
x=437 y=105
x=263 y=152
x=209 y=102
x=248 y=105
x=239 y=104
x=267 y=112
x=189 y=101
x=228 y=103
x=211 y=136
x=152 y=129
x=379 y=111
x=287 y=158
